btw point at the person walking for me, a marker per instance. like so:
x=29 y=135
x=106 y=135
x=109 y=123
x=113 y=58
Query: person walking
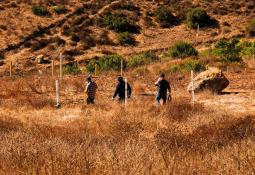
x=120 y=90
x=90 y=90
x=163 y=87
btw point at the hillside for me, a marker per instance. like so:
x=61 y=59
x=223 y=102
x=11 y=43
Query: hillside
x=77 y=34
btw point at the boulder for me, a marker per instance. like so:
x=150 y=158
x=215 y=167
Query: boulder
x=212 y=79
x=40 y=59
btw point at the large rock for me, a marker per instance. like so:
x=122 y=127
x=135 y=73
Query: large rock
x=40 y=59
x=212 y=79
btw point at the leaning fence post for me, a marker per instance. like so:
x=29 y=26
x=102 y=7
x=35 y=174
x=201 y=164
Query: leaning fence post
x=57 y=94
x=126 y=91
x=192 y=84
x=61 y=68
x=10 y=69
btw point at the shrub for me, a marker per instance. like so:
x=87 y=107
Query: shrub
x=182 y=49
x=108 y=62
x=165 y=17
x=194 y=65
x=59 y=9
x=72 y=69
x=125 y=39
x=118 y=23
x=197 y=17
x=1 y=56
x=141 y=59
x=40 y=11
x=246 y=48
x=174 y=68
x=250 y=29
x=228 y=51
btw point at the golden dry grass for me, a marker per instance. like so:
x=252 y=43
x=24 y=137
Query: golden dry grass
x=109 y=138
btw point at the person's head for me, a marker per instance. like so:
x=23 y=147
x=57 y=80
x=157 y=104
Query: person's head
x=120 y=78
x=88 y=79
x=162 y=76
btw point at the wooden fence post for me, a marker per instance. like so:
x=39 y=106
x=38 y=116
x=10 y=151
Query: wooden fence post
x=198 y=30
x=121 y=68
x=61 y=67
x=57 y=94
x=192 y=84
x=52 y=68
x=95 y=70
x=126 y=91
x=10 y=69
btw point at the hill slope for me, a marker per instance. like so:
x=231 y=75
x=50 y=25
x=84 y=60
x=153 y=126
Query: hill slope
x=77 y=35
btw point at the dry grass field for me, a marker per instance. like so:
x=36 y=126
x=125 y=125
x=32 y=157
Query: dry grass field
x=108 y=138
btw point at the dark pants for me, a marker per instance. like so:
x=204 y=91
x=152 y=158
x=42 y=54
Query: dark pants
x=90 y=100
x=161 y=96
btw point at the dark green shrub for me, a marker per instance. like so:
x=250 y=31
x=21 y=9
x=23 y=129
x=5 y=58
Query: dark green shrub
x=125 y=38
x=199 y=17
x=250 y=29
x=182 y=50
x=1 y=56
x=165 y=17
x=142 y=59
x=228 y=51
x=118 y=23
x=59 y=9
x=40 y=11
x=108 y=62
x=194 y=65
x=72 y=69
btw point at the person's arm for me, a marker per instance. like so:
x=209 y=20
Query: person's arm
x=117 y=90
x=157 y=82
x=169 y=87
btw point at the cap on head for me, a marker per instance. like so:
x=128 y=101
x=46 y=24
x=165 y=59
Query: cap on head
x=162 y=76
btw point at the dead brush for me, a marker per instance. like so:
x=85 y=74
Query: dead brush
x=182 y=109
x=208 y=138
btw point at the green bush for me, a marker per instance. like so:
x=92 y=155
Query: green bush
x=250 y=29
x=194 y=65
x=59 y=9
x=108 y=62
x=182 y=49
x=118 y=23
x=142 y=59
x=197 y=17
x=40 y=11
x=72 y=69
x=228 y=50
x=125 y=38
x=246 y=48
x=165 y=17
x=175 y=68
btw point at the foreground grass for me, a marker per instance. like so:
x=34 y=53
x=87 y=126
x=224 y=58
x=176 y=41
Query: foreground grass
x=108 y=138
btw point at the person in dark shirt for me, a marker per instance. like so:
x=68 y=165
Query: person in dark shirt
x=120 y=90
x=90 y=90
x=162 y=87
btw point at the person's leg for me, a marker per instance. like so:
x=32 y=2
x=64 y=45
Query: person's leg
x=90 y=100
x=158 y=98
x=164 y=97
